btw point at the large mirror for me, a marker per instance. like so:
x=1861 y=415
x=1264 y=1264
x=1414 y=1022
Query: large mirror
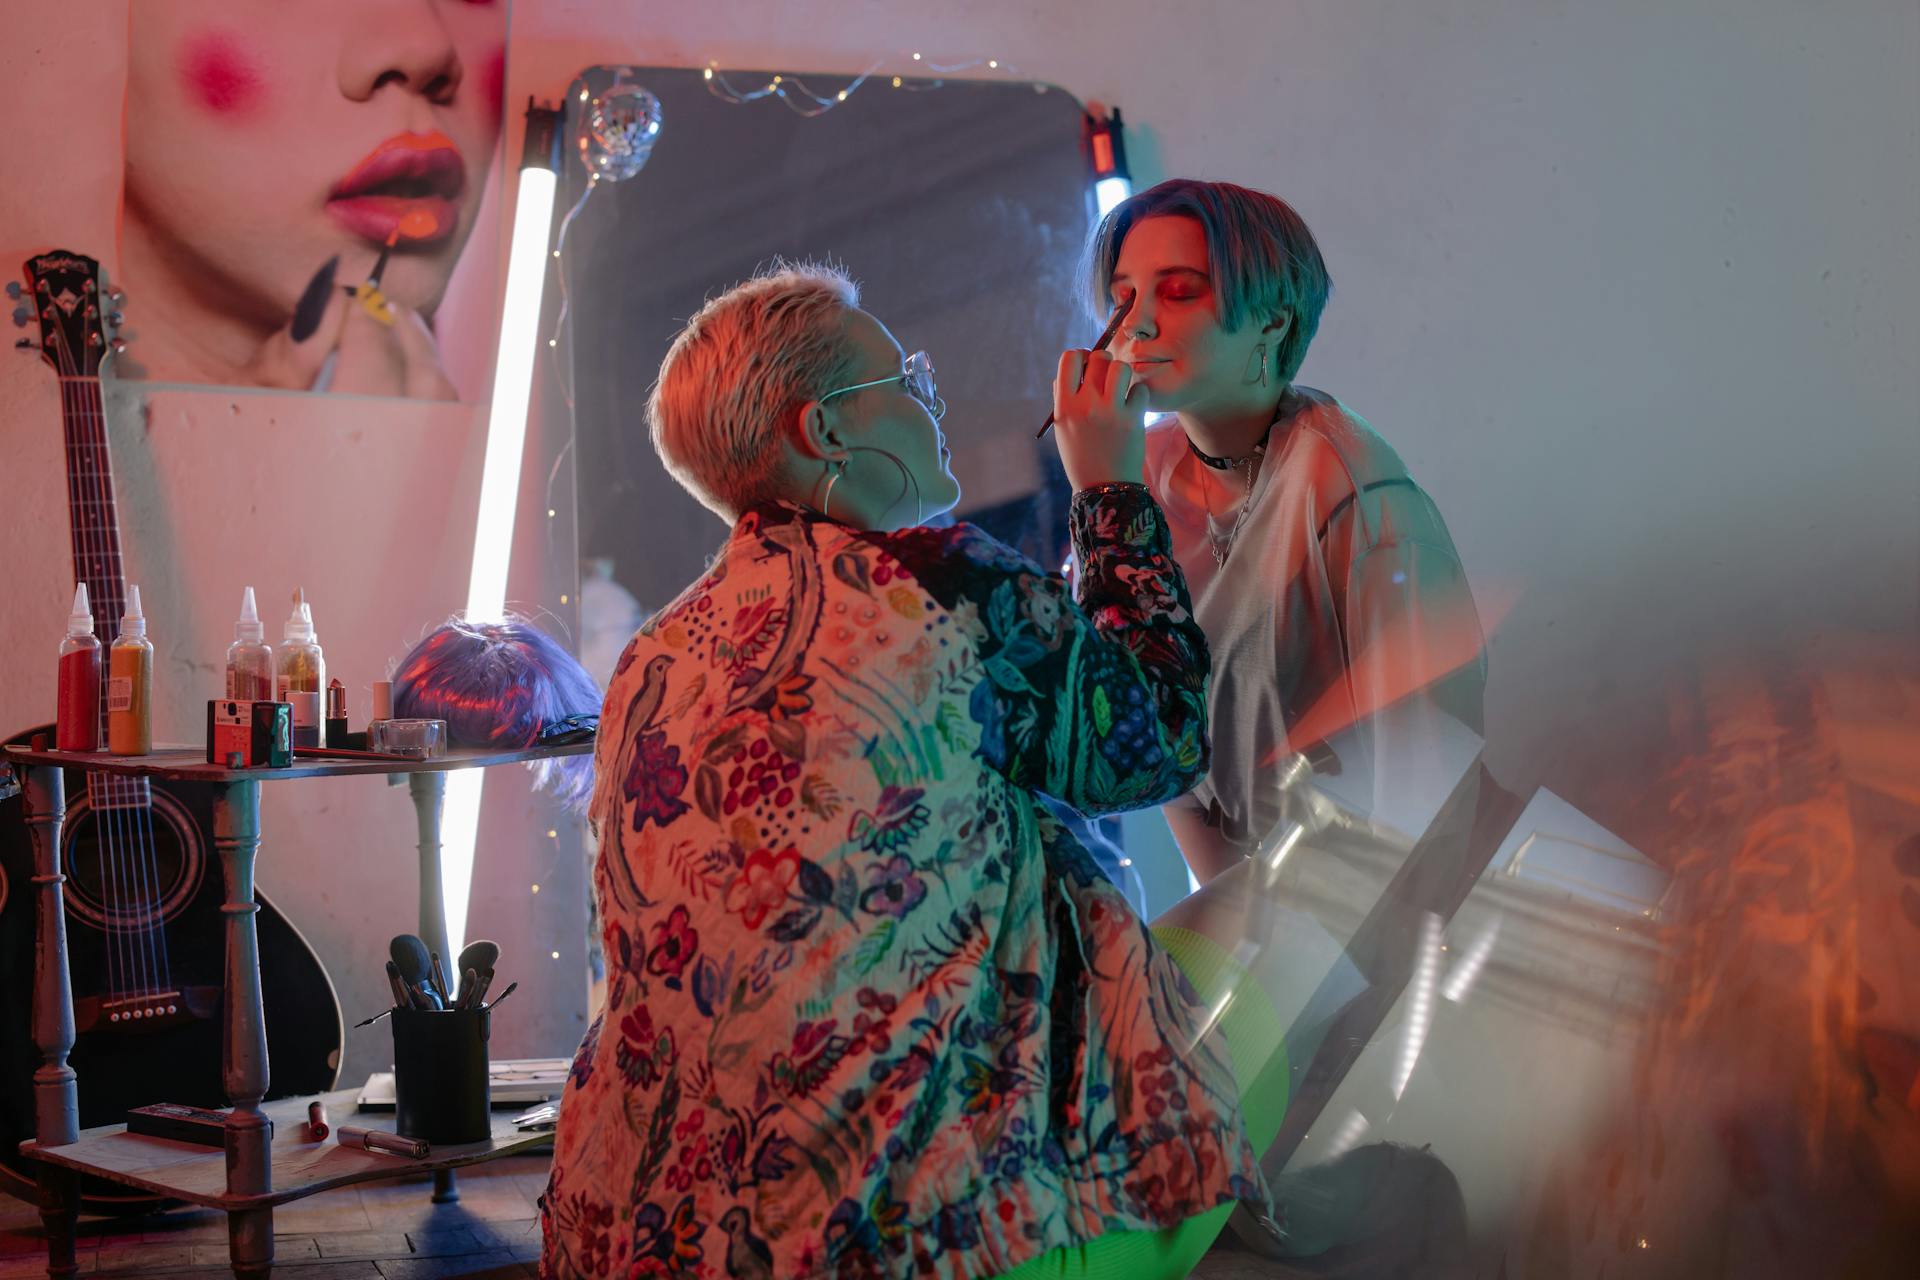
x=960 y=207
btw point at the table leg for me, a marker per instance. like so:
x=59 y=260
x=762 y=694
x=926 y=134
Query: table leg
x=56 y=1095
x=429 y=803
x=250 y=1242
x=236 y=838
x=60 y=1215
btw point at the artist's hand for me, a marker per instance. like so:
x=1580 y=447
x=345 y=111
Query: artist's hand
x=1099 y=420
x=371 y=358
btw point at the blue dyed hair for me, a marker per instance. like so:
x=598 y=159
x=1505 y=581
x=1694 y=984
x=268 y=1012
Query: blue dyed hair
x=498 y=685
x=1263 y=260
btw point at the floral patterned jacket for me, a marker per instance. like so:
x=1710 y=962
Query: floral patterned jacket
x=871 y=1011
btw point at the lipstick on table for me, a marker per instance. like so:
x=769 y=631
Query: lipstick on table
x=352 y=1135
x=317 y=1121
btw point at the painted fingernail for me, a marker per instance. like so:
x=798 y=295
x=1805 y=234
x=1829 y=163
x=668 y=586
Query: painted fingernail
x=313 y=303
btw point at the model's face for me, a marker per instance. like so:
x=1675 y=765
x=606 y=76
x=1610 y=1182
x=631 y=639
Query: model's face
x=263 y=138
x=1173 y=337
x=888 y=417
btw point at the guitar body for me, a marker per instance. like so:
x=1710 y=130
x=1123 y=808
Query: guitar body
x=146 y=937
x=135 y=1062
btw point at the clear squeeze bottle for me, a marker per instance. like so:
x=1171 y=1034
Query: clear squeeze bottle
x=249 y=657
x=301 y=673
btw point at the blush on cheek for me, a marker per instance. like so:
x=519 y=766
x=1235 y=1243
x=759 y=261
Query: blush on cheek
x=221 y=75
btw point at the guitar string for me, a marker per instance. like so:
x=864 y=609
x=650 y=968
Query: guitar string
x=150 y=945
x=107 y=813
x=109 y=816
x=99 y=785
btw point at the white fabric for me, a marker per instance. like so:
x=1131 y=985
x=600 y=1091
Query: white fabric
x=1345 y=625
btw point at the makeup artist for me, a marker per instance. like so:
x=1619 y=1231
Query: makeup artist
x=871 y=1010
x=272 y=151
x=1324 y=577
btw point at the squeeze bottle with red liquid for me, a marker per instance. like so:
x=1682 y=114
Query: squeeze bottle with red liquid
x=77 y=724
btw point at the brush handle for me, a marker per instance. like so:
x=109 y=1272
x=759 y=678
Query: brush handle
x=1106 y=335
x=398 y=984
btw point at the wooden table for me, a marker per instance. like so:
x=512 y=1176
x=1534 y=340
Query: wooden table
x=255 y=1171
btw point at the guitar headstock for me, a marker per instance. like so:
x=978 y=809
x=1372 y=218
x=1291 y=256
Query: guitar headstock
x=64 y=293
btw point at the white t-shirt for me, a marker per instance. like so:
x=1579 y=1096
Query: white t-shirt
x=1341 y=617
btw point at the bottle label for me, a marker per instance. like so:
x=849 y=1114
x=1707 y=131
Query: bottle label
x=306 y=708
x=119 y=693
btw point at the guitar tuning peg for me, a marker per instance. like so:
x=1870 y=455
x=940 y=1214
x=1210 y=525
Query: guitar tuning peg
x=21 y=315
x=13 y=288
x=116 y=295
x=26 y=344
x=115 y=319
x=118 y=346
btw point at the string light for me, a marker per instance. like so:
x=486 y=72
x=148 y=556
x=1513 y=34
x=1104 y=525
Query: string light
x=804 y=101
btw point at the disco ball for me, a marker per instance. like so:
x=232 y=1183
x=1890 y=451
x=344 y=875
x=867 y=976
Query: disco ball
x=617 y=131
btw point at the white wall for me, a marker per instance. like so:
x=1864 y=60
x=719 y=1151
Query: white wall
x=1628 y=284
x=367 y=503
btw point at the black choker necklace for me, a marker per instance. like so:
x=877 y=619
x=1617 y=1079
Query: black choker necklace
x=1228 y=464
x=1259 y=449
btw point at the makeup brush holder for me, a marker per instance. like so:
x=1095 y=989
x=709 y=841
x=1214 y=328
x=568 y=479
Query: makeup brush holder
x=440 y=1075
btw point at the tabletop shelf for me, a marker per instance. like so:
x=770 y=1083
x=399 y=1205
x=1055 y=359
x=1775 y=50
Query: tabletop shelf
x=198 y=1175
x=189 y=764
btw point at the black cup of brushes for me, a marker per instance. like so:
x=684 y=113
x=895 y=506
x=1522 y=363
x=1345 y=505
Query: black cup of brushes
x=440 y=1036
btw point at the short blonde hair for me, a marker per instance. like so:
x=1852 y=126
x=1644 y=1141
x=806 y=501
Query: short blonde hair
x=741 y=367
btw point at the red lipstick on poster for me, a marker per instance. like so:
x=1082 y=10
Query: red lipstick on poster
x=409 y=173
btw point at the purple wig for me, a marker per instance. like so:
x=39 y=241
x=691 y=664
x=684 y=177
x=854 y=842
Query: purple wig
x=499 y=685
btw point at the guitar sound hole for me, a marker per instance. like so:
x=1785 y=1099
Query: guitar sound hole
x=130 y=870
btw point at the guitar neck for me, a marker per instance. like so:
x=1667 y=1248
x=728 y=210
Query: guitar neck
x=93 y=518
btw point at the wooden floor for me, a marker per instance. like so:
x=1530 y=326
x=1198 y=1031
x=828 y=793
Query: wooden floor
x=389 y=1230
x=375 y=1231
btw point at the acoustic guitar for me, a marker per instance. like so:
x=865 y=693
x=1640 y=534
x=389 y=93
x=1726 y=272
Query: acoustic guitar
x=145 y=935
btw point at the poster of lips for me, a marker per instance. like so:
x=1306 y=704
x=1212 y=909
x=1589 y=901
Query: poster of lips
x=311 y=195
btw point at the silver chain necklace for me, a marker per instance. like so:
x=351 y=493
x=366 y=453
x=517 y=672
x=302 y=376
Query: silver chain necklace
x=1221 y=549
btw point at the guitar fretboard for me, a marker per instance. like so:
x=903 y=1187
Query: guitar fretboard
x=93 y=521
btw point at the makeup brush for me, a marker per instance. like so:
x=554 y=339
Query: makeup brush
x=410 y=957
x=1106 y=335
x=380 y=263
x=477 y=957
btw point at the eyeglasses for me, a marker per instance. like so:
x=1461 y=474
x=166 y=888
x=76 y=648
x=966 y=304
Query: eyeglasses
x=918 y=380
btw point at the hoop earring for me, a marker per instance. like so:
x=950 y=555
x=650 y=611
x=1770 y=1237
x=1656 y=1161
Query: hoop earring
x=831 y=472
x=905 y=474
x=1260 y=356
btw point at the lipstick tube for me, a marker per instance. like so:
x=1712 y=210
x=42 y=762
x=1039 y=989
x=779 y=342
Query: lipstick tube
x=352 y=1135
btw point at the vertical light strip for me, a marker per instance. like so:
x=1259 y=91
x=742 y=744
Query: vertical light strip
x=500 y=480
x=1420 y=1004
